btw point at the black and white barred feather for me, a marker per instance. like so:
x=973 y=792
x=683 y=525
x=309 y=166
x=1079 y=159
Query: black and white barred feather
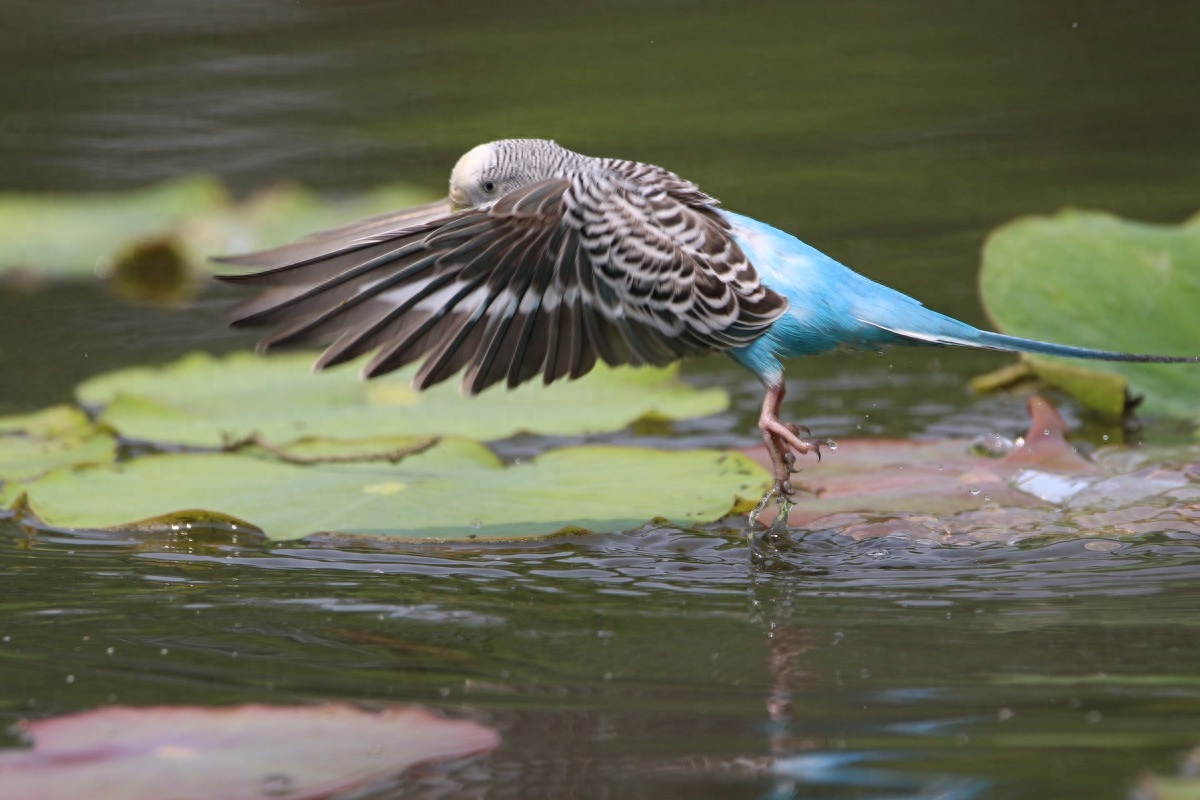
x=558 y=260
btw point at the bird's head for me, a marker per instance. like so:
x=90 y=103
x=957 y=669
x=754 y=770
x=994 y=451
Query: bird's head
x=490 y=171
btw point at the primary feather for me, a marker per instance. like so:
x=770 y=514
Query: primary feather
x=570 y=261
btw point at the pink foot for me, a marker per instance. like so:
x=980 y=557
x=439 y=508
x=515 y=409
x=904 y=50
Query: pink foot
x=783 y=440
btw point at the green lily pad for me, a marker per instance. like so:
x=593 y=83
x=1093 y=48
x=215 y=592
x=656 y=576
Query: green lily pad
x=201 y=400
x=455 y=490
x=154 y=240
x=242 y=752
x=33 y=444
x=1094 y=280
x=75 y=235
x=284 y=214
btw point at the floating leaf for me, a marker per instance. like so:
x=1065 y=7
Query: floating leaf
x=75 y=235
x=456 y=490
x=153 y=240
x=283 y=214
x=201 y=400
x=33 y=444
x=1098 y=281
x=242 y=752
x=944 y=491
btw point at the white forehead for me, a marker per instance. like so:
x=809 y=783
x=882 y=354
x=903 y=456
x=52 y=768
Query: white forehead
x=472 y=164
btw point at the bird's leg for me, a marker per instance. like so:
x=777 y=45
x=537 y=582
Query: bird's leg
x=783 y=439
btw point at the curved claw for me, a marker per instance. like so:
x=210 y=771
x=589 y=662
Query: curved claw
x=798 y=430
x=784 y=440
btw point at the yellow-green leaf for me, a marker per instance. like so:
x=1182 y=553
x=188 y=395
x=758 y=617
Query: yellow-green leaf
x=455 y=490
x=61 y=436
x=1095 y=280
x=202 y=400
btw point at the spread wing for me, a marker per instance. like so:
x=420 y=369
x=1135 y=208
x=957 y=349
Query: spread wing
x=594 y=264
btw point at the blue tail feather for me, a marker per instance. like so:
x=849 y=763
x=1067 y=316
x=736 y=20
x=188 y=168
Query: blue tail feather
x=968 y=336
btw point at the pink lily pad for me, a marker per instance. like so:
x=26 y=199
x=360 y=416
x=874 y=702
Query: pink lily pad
x=945 y=491
x=234 y=753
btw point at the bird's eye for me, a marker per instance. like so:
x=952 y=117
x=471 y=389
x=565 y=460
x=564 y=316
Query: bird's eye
x=489 y=186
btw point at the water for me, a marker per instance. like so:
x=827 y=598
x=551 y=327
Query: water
x=660 y=662
x=651 y=663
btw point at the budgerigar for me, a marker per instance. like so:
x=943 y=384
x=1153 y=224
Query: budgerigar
x=543 y=261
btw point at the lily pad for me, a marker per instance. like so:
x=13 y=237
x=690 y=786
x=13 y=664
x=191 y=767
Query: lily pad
x=283 y=214
x=33 y=444
x=242 y=752
x=455 y=490
x=1096 y=280
x=75 y=235
x=947 y=491
x=201 y=400
x=155 y=240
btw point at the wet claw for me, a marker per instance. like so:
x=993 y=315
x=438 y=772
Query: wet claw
x=799 y=430
x=784 y=441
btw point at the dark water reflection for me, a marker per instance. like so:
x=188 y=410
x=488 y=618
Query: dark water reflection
x=661 y=662
x=654 y=663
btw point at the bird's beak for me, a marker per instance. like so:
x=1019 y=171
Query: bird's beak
x=459 y=198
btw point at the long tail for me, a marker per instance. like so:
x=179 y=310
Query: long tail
x=999 y=341
x=948 y=331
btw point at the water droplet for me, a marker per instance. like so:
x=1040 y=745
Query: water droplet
x=476 y=524
x=163 y=651
x=1093 y=716
x=276 y=784
x=1005 y=714
x=831 y=444
x=109 y=651
x=70 y=679
x=1104 y=437
x=1045 y=431
x=940 y=467
x=974 y=490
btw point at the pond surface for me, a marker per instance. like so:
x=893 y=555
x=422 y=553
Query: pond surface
x=659 y=662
